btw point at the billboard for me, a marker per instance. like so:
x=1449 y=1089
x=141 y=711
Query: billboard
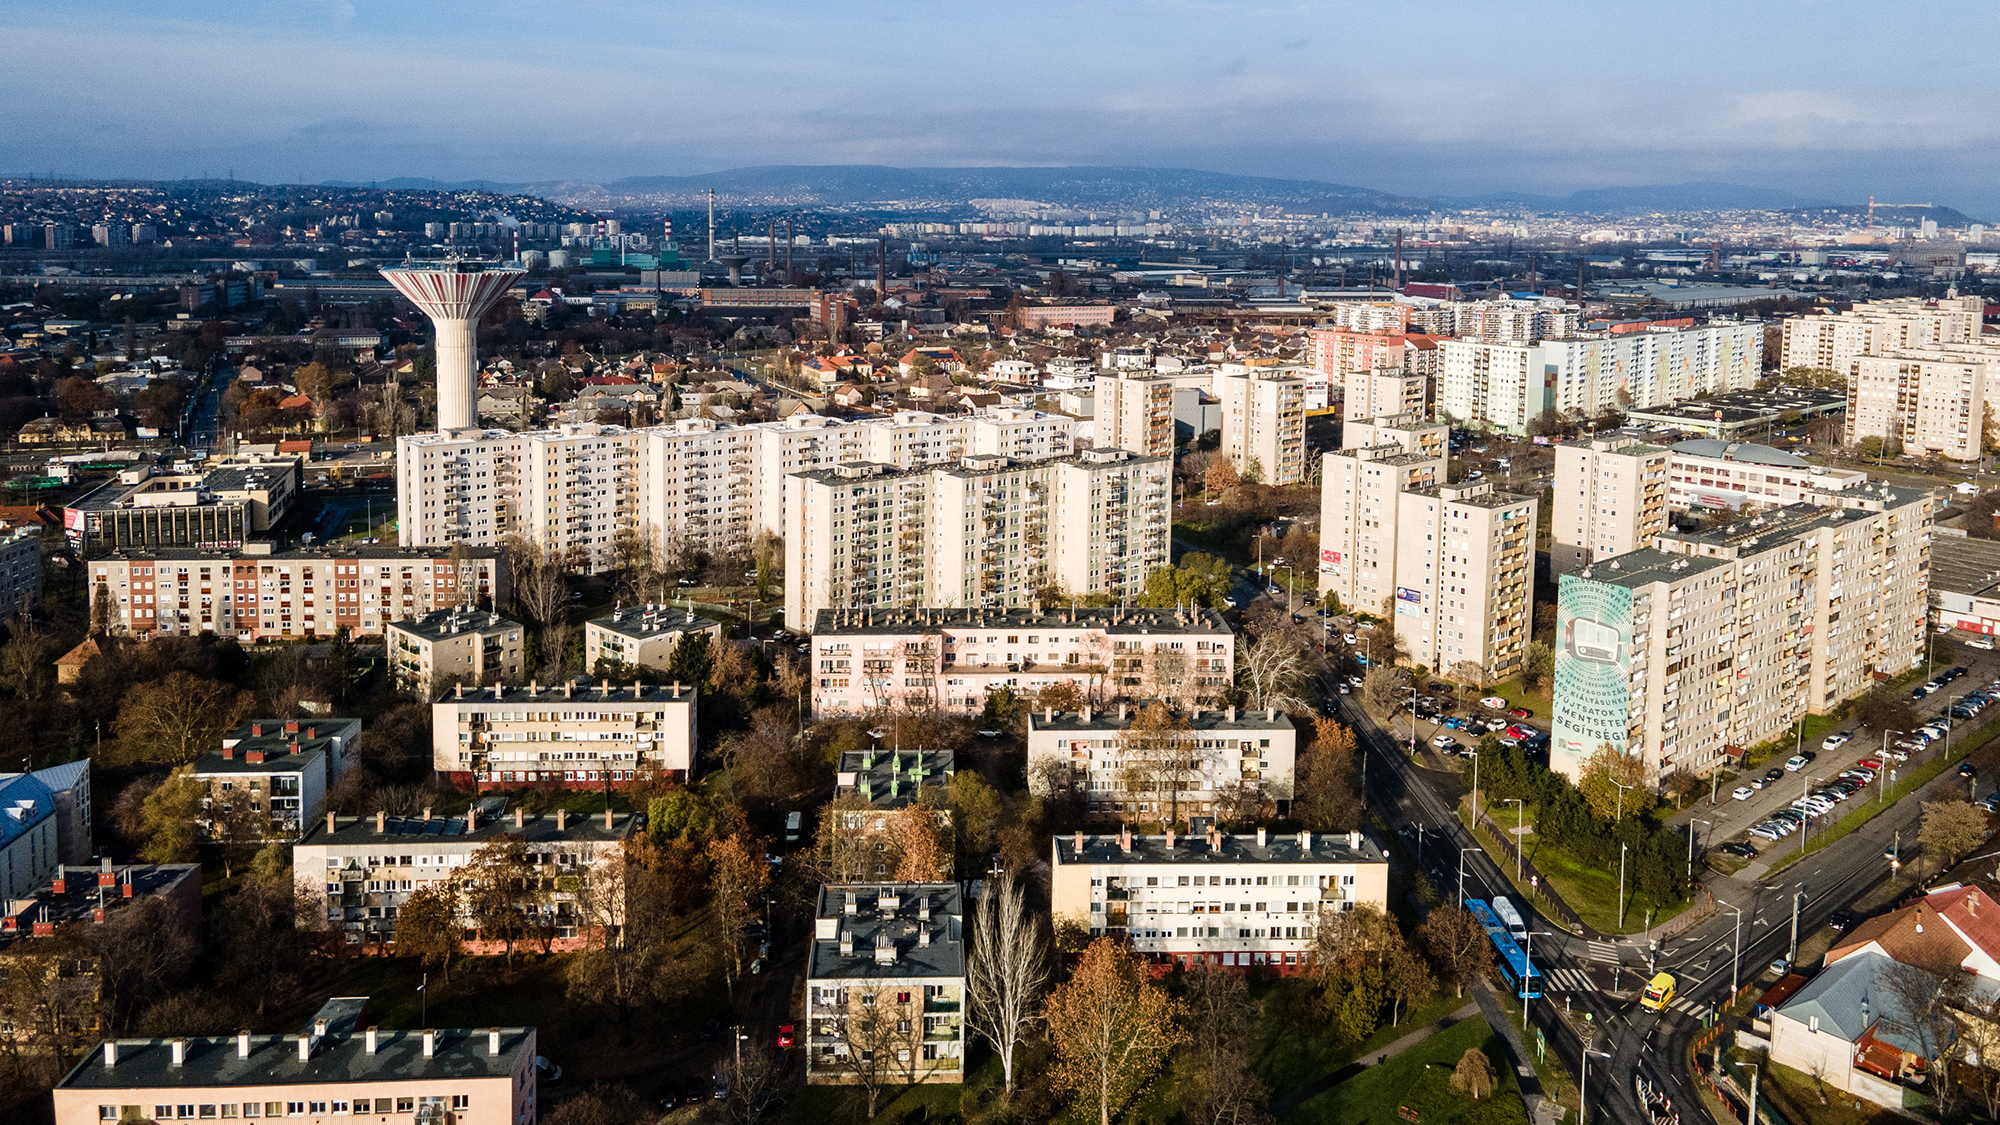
x=1593 y=671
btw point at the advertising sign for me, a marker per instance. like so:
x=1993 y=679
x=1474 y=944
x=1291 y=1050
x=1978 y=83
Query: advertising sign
x=1593 y=670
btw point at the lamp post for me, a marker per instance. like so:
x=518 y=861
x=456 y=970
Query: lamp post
x=1461 y=873
x=1475 y=790
x=1691 y=823
x=1805 y=790
x=1621 y=882
x=1520 y=823
x=1752 y=1068
x=1622 y=787
x=1882 y=778
x=1528 y=955
x=1736 y=959
x=1278 y=565
x=1583 y=1086
x=1798 y=891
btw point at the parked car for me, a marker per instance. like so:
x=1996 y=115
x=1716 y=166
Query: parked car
x=1836 y=740
x=1521 y=712
x=1841 y=919
x=786 y=1038
x=1967 y=769
x=1795 y=763
x=1495 y=726
x=1493 y=701
x=1760 y=783
x=719 y=1086
x=1738 y=848
x=1742 y=793
x=1774 y=775
x=1870 y=764
x=1445 y=742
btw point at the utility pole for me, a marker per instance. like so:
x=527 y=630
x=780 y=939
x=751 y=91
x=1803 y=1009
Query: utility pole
x=1621 y=883
x=1798 y=889
x=711 y=224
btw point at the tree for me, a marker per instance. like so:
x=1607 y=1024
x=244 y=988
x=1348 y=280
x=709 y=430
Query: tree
x=500 y=890
x=1951 y=829
x=975 y=818
x=428 y=926
x=234 y=820
x=1221 y=1017
x=1273 y=671
x=1326 y=795
x=1007 y=970
x=1458 y=946
x=1540 y=665
x=1385 y=686
x=1614 y=784
x=541 y=593
x=922 y=853
x=168 y=818
x=627 y=909
x=1220 y=477
x=738 y=879
x=1926 y=998
x=177 y=718
x=1111 y=1028
x=1410 y=982
x=1473 y=1077
x=690 y=662
x=877 y=1039
x=1885 y=709
x=1161 y=757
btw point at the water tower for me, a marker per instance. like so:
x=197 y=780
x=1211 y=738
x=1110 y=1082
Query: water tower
x=454 y=295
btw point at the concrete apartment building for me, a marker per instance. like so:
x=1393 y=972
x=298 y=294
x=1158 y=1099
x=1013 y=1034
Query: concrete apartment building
x=588 y=735
x=1385 y=393
x=1222 y=757
x=1722 y=639
x=1833 y=341
x=364 y=868
x=894 y=778
x=87 y=894
x=222 y=506
x=1264 y=422
x=1359 y=496
x=885 y=984
x=1505 y=386
x=257 y=594
x=44 y=822
x=332 y=1069
x=279 y=769
x=1215 y=899
x=20 y=570
x=1931 y=400
x=1135 y=412
x=1465 y=578
x=1610 y=499
x=643 y=636
x=989 y=531
x=693 y=484
x=867 y=660
x=469 y=645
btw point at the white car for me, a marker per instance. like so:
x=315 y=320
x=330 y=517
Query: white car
x=1795 y=763
x=1445 y=742
x=1495 y=702
x=1837 y=740
x=1743 y=792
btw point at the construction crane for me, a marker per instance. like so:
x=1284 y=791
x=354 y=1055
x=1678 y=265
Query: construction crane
x=1872 y=205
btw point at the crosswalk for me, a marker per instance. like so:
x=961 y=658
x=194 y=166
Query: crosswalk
x=1688 y=1008
x=1604 y=951
x=1567 y=980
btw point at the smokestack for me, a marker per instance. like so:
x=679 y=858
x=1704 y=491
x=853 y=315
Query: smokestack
x=1399 y=257
x=882 y=271
x=711 y=224
x=455 y=297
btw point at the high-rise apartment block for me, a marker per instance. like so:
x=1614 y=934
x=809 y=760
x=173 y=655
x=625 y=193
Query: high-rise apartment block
x=1465 y=567
x=1385 y=392
x=256 y=594
x=987 y=532
x=576 y=489
x=1507 y=385
x=952 y=659
x=1135 y=412
x=1264 y=422
x=1610 y=499
x=1360 y=489
x=20 y=570
x=1917 y=370
x=1833 y=341
x=1722 y=639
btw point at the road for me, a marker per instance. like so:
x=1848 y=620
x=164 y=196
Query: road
x=204 y=420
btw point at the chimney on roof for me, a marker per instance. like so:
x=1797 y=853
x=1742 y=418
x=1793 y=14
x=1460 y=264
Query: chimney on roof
x=229 y=753
x=460 y=689
x=180 y=1047
x=1121 y=711
x=471 y=817
x=254 y=756
x=1354 y=840
x=256 y=730
x=493 y=1041
x=1232 y=714
x=1125 y=839
x=319 y=1029
x=368 y=1041
x=430 y=1043
x=291 y=726
x=110 y=1053
x=562 y=820
x=607 y=820
x=427 y=814
x=305 y=1048
x=1305 y=841
x=381 y=822
x=243 y=1044
x=1076 y=843
x=636 y=692
x=923 y=935
x=1086 y=712
x=329 y=821
x=846 y=943
x=519 y=820
x=569 y=691
x=1260 y=837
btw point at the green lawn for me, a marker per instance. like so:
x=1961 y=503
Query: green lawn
x=1590 y=891
x=1798 y=1100
x=1295 y=1048
x=1541 y=700
x=1420 y=1079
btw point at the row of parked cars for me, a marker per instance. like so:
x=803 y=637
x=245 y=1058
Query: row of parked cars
x=1819 y=802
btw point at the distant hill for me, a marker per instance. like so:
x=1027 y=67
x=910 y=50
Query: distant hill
x=1648 y=199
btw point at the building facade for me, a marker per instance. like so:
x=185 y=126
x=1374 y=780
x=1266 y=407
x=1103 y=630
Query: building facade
x=1360 y=490
x=643 y=636
x=885 y=984
x=1505 y=386
x=1611 y=498
x=593 y=735
x=456 y=643
x=20 y=570
x=868 y=660
x=1264 y=422
x=1217 y=899
x=1709 y=475
x=220 y=508
x=273 y=774
x=1465 y=579
x=1929 y=400
x=1135 y=412
x=1214 y=762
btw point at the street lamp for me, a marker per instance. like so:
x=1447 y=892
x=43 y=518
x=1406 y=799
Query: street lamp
x=1528 y=955
x=1621 y=882
x=1691 y=823
x=1752 y=1068
x=1881 y=779
x=1583 y=1086
x=1461 y=873
x=1278 y=565
x=1622 y=787
x=1520 y=823
x=1798 y=891
x=1805 y=790
x=1737 y=959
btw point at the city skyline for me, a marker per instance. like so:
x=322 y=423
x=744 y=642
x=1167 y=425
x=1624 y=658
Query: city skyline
x=1452 y=102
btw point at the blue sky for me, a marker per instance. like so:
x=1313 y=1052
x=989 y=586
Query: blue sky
x=1830 y=99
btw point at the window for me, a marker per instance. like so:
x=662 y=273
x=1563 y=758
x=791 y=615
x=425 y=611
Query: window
x=107 y=1113
x=404 y=1105
x=461 y=1101
x=295 y=1109
x=318 y=1107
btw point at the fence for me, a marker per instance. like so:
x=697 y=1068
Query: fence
x=1538 y=888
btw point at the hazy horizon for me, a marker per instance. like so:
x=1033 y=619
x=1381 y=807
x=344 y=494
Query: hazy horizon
x=1458 y=99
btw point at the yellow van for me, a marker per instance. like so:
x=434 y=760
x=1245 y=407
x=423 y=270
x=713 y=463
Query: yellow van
x=1659 y=992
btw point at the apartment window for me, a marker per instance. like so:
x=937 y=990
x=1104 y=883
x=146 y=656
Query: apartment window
x=107 y=1113
x=461 y=1101
x=405 y=1105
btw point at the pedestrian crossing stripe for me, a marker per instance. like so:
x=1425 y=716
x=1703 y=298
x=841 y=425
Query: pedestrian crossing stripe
x=1570 y=979
x=1604 y=951
x=1687 y=1007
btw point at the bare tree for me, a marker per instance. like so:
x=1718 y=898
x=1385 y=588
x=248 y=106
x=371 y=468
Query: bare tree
x=1951 y=829
x=1008 y=969
x=177 y=718
x=1162 y=760
x=541 y=593
x=1221 y=1018
x=1273 y=670
x=877 y=1039
x=739 y=878
x=1928 y=998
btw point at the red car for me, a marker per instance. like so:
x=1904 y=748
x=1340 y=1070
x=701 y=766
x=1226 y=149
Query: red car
x=1521 y=713
x=785 y=1036
x=1870 y=764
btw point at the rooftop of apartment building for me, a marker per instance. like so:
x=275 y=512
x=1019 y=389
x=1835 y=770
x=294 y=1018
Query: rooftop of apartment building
x=267 y=551
x=1200 y=719
x=1479 y=494
x=1615 y=442
x=977 y=464
x=1389 y=455
x=76 y=894
x=580 y=689
x=121 y=493
x=267 y=746
x=485 y=820
x=441 y=624
x=1217 y=847
x=1648 y=565
x=339 y=1053
x=1111 y=619
x=653 y=620
x=1795 y=520
x=888 y=931
x=1965 y=566
x=894 y=778
x=1747 y=404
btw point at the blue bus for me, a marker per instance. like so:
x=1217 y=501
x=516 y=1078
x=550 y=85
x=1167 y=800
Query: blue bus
x=1515 y=968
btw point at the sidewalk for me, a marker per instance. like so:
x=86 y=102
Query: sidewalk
x=1517 y=1050
x=1291 y=1101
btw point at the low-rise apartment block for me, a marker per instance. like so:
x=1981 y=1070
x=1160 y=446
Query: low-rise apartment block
x=894 y=778
x=868 y=660
x=1264 y=422
x=44 y=822
x=467 y=645
x=643 y=636
x=1211 y=761
x=1611 y=497
x=87 y=895
x=274 y=773
x=885 y=984
x=989 y=531
x=1216 y=899
x=366 y=867
x=259 y=594
x=1720 y=640
x=589 y=735
x=333 y=1069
